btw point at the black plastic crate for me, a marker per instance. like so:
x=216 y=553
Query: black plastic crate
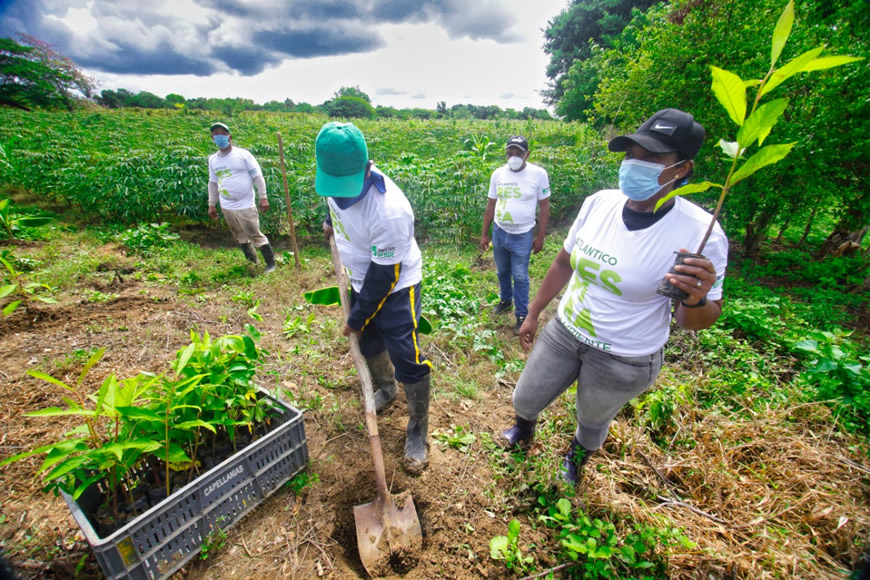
x=161 y=540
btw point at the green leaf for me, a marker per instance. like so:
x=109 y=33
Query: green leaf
x=497 y=547
x=792 y=68
x=91 y=362
x=46 y=299
x=765 y=156
x=781 y=32
x=514 y=528
x=829 y=62
x=10 y=308
x=192 y=425
x=7 y=290
x=325 y=296
x=184 y=358
x=730 y=92
x=58 y=412
x=759 y=123
x=34 y=222
x=686 y=190
x=50 y=379
x=424 y=327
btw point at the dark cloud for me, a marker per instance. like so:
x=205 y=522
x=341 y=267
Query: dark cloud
x=320 y=41
x=246 y=36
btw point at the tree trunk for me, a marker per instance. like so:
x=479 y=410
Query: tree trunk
x=839 y=237
x=755 y=232
x=809 y=227
x=782 y=230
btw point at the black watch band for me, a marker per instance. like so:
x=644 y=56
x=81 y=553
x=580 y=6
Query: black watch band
x=702 y=302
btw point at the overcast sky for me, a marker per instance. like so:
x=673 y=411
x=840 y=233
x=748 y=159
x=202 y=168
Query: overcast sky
x=402 y=53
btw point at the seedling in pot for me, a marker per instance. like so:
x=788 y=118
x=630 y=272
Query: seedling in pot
x=730 y=91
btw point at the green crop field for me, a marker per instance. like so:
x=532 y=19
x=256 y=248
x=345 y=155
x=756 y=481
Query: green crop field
x=748 y=459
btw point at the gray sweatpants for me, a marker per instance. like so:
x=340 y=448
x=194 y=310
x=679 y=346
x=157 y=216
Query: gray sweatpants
x=605 y=382
x=244 y=224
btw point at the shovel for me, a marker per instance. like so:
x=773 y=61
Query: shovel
x=387 y=530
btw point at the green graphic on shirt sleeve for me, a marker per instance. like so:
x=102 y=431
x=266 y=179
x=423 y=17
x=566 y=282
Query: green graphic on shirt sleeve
x=337 y=225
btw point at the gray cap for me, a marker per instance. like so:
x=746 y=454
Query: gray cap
x=221 y=125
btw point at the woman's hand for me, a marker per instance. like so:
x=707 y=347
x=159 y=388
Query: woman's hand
x=695 y=276
x=528 y=331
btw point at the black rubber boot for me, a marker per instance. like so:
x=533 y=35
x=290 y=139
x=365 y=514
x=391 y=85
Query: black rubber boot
x=574 y=461
x=250 y=254
x=417 y=395
x=384 y=379
x=520 y=436
x=268 y=257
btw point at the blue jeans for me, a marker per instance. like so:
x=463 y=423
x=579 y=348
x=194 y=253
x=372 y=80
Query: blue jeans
x=511 y=253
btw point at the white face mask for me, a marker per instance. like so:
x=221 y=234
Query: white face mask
x=515 y=163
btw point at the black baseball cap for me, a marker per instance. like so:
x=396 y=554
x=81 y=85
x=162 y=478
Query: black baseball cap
x=668 y=131
x=519 y=142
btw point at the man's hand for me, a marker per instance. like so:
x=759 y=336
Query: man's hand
x=484 y=242
x=264 y=205
x=537 y=245
x=348 y=330
x=327 y=231
x=212 y=212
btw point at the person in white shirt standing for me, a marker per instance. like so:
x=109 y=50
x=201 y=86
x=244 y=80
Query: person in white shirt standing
x=232 y=174
x=516 y=190
x=612 y=325
x=373 y=225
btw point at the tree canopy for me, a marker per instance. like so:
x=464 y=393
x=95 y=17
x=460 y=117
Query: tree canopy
x=32 y=74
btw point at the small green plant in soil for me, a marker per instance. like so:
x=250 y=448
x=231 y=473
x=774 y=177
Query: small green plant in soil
x=13 y=222
x=302 y=481
x=22 y=291
x=507 y=549
x=147 y=238
x=214 y=541
x=460 y=438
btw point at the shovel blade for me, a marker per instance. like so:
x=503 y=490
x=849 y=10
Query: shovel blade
x=388 y=534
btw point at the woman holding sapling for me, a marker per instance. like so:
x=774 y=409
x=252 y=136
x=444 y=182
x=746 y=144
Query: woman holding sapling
x=612 y=324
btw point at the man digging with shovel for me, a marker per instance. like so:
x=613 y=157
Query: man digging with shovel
x=373 y=225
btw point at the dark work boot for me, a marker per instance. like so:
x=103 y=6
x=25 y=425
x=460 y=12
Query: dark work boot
x=250 y=254
x=384 y=379
x=574 y=461
x=268 y=257
x=503 y=306
x=520 y=436
x=417 y=395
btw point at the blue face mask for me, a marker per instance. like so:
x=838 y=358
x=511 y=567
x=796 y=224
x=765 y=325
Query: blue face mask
x=222 y=141
x=639 y=180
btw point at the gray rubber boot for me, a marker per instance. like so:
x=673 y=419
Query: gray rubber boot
x=268 y=257
x=417 y=395
x=520 y=436
x=384 y=379
x=250 y=254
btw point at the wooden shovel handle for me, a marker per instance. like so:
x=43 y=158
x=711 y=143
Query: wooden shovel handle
x=365 y=377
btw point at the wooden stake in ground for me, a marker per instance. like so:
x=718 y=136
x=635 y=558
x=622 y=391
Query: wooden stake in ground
x=287 y=198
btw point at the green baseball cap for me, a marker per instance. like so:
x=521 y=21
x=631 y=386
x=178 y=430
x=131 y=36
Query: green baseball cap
x=342 y=156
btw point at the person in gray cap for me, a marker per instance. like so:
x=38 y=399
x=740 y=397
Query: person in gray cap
x=611 y=325
x=232 y=174
x=373 y=225
x=516 y=190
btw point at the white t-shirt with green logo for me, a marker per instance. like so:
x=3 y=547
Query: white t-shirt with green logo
x=611 y=301
x=380 y=229
x=234 y=175
x=518 y=194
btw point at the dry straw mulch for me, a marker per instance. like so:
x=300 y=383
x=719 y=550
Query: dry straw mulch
x=778 y=495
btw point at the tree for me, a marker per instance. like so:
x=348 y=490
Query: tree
x=32 y=74
x=829 y=114
x=350 y=107
x=352 y=92
x=568 y=36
